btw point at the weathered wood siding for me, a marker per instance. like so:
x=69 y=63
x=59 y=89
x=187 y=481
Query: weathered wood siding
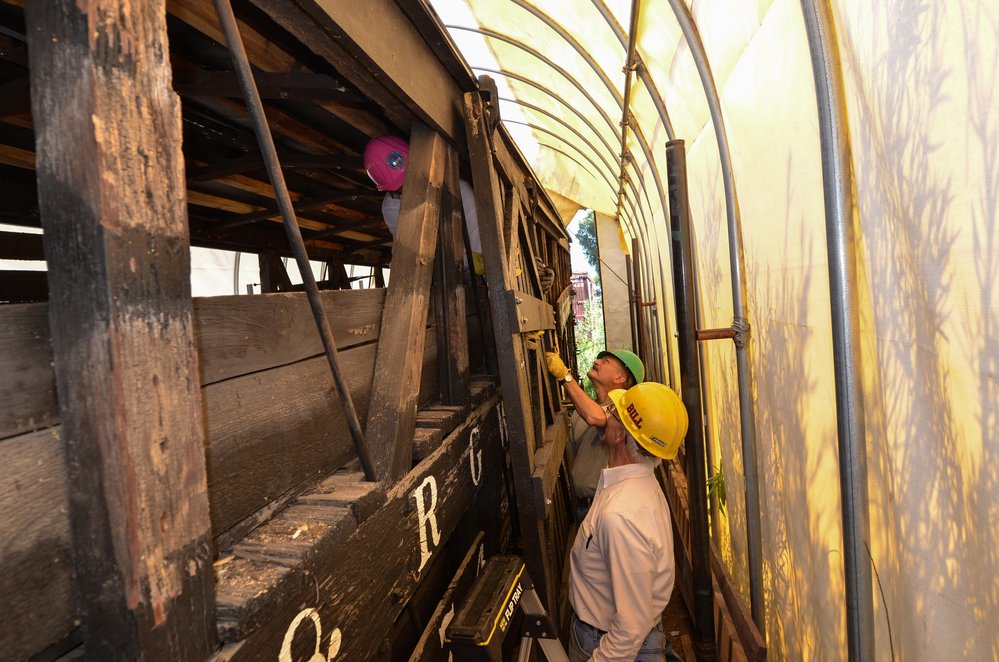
x=272 y=429
x=332 y=600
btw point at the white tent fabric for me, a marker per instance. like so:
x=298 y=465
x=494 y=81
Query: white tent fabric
x=922 y=80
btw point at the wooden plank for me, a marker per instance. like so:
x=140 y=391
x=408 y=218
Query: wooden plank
x=311 y=25
x=238 y=335
x=510 y=351
x=564 y=306
x=116 y=237
x=348 y=594
x=19 y=158
x=267 y=56
x=731 y=614
x=27 y=386
x=431 y=646
x=270 y=85
x=273 y=275
x=391 y=419
x=451 y=286
x=749 y=638
x=405 y=65
x=443 y=417
x=549 y=458
x=235 y=335
x=263 y=53
x=425 y=442
x=36 y=555
x=270 y=432
x=274 y=431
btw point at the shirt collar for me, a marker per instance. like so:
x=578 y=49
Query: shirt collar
x=611 y=475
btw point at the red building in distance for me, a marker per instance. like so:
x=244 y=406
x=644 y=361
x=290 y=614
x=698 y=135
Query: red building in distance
x=584 y=289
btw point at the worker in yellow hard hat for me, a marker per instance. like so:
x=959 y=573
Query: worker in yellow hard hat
x=615 y=369
x=622 y=567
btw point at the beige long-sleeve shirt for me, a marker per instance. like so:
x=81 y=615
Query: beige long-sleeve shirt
x=622 y=565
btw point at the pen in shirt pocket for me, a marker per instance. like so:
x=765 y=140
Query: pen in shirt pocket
x=588 y=539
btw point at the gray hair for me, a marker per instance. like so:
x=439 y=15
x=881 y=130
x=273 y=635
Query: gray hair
x=638 y=453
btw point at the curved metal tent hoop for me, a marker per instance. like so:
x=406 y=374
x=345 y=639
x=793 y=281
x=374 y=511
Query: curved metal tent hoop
x=554 y=148
x=557 y=28
x=527 y=81
x=643 y=73
x=499 y=36
x=627 y=42
x=841 y=248
x=737 y=262
x=637 y=196
x=598 y=70
x=485 y=32
x=562 y=102
x=596 y=169
x=657 y=99
x=622 y=99
x=547 y=113
x=640 y=213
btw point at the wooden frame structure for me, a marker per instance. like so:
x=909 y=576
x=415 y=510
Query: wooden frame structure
x=176 y=481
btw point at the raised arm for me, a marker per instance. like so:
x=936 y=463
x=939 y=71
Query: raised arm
x=586 y=407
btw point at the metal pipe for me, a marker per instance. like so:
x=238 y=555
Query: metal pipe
x=643 y=73
x=845 y=301
x=636 y=263
x=683 y=285
x=626 y=119
x=715 y=334
x=740 y=322
x=628 y=41
x=269 y=152
x=632 y=305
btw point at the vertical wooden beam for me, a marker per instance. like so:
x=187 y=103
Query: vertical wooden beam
x=452 y=326
x=336 y=274
x=493 y=230
x=273 y=275
x=396 y=381
x=112 y=199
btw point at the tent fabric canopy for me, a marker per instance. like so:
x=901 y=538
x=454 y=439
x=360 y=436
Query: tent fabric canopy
x=921 y=81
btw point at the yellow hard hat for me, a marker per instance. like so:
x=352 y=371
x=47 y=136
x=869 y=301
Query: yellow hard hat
x=654 y=415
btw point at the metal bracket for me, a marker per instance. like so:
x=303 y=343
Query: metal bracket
x=742 y=331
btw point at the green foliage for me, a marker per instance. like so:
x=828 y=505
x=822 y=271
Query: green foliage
x=589 y=341
x=716 y=487
x=586 y=235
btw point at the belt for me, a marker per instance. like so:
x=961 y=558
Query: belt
x=583 y=502
x=592 y=627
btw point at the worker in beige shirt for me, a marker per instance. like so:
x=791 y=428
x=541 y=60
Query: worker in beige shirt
x=615 y=369
x=621 y=565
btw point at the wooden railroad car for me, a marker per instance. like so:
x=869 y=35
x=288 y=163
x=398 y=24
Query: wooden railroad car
x=193 y=478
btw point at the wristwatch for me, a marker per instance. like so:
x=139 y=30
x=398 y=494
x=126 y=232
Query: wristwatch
x=568 y=377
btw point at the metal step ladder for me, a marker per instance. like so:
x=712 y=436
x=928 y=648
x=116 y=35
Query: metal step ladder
x=503 y=601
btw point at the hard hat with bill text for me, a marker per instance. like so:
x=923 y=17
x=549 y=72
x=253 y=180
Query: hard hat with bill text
x=654 y=415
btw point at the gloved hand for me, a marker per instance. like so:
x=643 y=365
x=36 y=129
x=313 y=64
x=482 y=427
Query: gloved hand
x=556 y=366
